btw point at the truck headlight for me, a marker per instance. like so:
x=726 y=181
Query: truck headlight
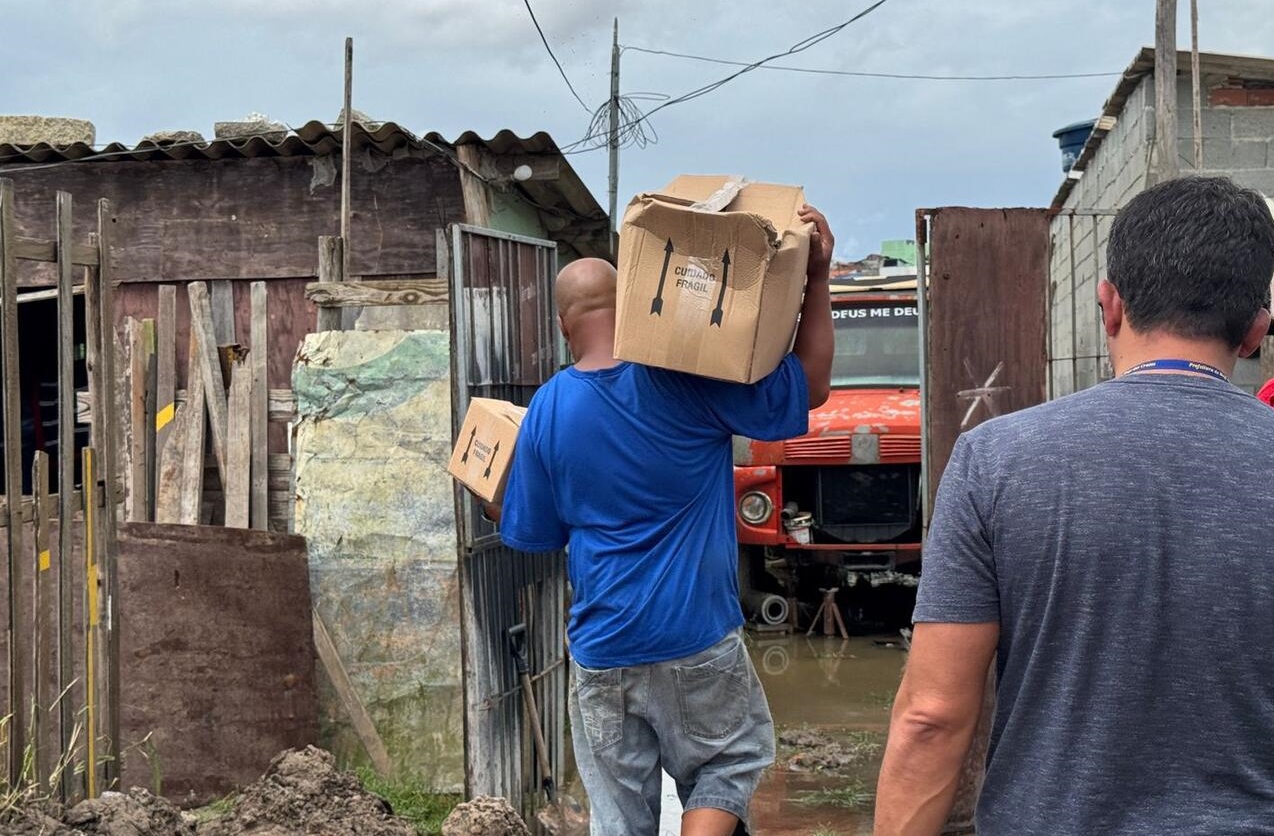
x=755 y=507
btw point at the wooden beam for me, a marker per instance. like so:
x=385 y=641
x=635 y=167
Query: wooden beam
x=67 y=501
x=477 y=199
x=1166 y=166
x=51 y=293
x=221 y=296
x=38 y=249
x=107 y=547
x=45 y=715
x=135 y=429
x=210 y=370
x=260 y=405
x=238 y=481
x=331 y=270
x=281 y=403
x=359 y=718
x=92 y=629
x=372 y=293
x=171 y=466
x=166 y=365
x=191 y=483
x=20 y=633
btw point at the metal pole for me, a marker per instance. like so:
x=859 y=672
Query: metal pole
x=1196 y=85
x=922 y=305
x=614 y=137
x=1166 y=89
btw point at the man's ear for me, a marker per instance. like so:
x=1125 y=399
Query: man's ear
x=561 y=326
x=1255 y=334
x=1112 y=308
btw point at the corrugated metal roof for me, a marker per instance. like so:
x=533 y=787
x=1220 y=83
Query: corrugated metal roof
x=1215 y=64
x=576 y=215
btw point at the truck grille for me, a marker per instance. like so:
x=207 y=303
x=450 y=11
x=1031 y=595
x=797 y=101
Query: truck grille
x=819 y=447
x=899 y=448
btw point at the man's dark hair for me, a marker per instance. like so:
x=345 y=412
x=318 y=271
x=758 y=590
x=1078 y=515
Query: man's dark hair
x=1193 y=256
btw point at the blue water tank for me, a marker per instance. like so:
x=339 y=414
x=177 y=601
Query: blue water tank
x=1071 y=139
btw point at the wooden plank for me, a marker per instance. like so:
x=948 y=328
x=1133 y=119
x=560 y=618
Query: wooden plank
x=221 y=297
x=359 y=718
x=171 y=468
x=210 y=370
x=92 y=630
x=280 y=403
x=149 y=371
x=361 y=294
x=191 y=483
x=46 y=295
x=110 y=468
x=477 y=203
x=330 y=271
x=20 y=633
x=46 y=714
x=38 y=249
x=258 y=358
x=134 y=467
x=239 y=447
x=67 y=499
x=165 y=365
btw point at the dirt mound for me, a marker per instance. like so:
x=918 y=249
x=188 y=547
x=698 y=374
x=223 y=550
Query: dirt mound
x=485 y=816
x=135 y=813
x=32 y=822
x=817 y=751
x=304 y=794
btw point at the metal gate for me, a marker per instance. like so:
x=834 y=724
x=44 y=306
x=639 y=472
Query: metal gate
x=504 y=345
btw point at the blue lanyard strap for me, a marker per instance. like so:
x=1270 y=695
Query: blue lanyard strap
x=1178 y=366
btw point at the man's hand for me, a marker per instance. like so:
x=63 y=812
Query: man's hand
x=822 y=244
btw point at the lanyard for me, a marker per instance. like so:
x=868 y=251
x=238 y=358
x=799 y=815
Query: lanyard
x=1178 y=366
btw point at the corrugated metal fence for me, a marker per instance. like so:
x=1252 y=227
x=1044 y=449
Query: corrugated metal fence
x=505 y=346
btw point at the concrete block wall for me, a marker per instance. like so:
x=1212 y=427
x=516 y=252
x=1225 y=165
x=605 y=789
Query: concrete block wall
x=1238 y=142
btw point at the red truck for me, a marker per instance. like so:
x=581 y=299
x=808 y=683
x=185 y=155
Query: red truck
x=841 y=505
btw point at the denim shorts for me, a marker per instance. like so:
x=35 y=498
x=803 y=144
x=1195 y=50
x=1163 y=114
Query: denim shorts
x=704 y=719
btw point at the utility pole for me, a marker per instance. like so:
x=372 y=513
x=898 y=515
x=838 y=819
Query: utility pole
x=1166 y=90
x=614 y=141
x=1195 y=85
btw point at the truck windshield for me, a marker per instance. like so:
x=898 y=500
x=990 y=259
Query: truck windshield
x=877 y=345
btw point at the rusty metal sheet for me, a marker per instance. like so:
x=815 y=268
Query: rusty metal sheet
x=987 y=321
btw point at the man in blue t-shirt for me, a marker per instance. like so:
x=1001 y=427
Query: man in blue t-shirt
x=1111 y=551
x=630 y=467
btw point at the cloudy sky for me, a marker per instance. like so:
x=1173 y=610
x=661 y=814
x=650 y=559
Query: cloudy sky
x=868 y=150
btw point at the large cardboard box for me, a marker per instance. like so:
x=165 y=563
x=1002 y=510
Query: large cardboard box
x=484 y=448
x=711 y=276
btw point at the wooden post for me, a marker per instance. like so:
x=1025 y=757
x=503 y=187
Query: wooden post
x=135 y=467
x=1166 y=90
x=331 y=269
x=92 y=623
x=221 y=301
x=210 y=370
x=238 y=481
x=11 y=400
x=46 y=685
x=330 y=659
x=347 y=146
x=165 y=365
x=258 y=359
x=1196 y=85
x=110 y=471
x=191 y=485
x=66 y=479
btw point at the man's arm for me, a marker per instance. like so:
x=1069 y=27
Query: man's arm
x=934 y=718
x=815 y=343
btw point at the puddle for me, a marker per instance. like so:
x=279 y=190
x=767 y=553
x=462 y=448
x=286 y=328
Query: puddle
x=830 y=699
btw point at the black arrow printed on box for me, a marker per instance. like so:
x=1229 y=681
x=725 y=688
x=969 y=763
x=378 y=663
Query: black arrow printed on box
x=469 y=446
x=657 y=304
x=725 y=275
x=495 y=451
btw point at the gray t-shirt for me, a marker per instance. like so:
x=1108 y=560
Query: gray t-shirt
x=1124 y=539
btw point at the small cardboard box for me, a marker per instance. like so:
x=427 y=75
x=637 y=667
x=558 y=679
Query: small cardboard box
x=484 y=448
x=711 y=277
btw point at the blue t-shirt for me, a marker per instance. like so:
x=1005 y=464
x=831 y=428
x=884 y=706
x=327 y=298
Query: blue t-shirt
x=632 y=468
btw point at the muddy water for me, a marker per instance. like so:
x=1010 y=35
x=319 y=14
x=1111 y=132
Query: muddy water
x=830 y=700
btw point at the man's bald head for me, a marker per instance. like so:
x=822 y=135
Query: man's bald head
x=584 y=287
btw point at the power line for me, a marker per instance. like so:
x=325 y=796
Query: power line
x=816 y=71
x=589 y=142
x=545 y=41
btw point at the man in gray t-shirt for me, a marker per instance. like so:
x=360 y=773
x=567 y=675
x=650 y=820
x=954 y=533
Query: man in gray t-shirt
x=1114 y=552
